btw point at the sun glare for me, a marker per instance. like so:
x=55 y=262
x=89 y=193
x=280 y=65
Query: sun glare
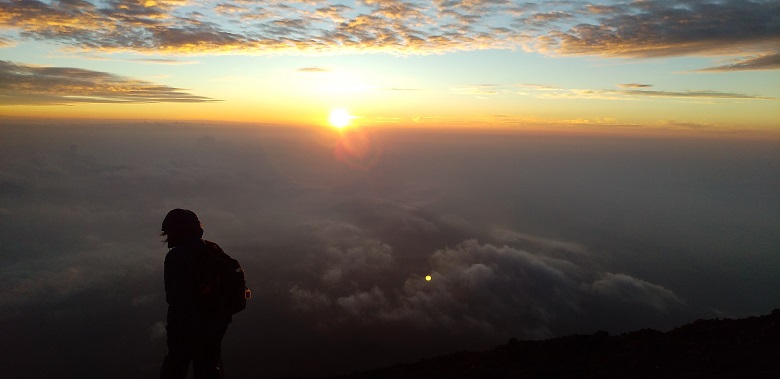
x=340 y=118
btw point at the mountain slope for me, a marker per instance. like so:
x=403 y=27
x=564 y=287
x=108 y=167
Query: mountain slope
x=744 y=348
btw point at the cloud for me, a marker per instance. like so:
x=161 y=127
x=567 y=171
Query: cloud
x=634 y=85
x=163 y=61
x=524 y=234
x=622 y=287
x=604 y=9
x=5 y=42
x=549 y=246
x=764 y=62
x=230 y=8
x=402 y=89
x=348 y=252
x=685 y=125
x=308 y=300
x=652 y=28
x=658 y=28
x=363 y=303
x=537 y=86
x=24 y=84
x=693 y=94
x=634 y=91
x=333 y=12
x=544 y=19
x=397 y=10
x=493 y=289
x=313 y=69
x=482 y=89
x=55 y=284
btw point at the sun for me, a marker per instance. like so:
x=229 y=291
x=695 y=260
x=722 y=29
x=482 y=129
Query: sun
x=340 y=118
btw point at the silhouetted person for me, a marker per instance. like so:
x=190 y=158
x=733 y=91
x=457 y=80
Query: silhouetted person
x=194 y=332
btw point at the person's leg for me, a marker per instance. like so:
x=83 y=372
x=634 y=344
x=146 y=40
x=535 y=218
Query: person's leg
x=207 y=355
x=177 y=362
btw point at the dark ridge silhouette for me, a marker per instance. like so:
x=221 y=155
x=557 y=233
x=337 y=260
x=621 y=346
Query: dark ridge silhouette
x=727 y=348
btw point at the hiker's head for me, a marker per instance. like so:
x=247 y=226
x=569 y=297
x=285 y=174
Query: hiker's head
x=181 y=225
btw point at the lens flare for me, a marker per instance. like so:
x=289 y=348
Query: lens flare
x=358 y=148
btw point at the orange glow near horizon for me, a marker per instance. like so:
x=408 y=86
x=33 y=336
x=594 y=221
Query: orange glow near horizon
x=317 y=114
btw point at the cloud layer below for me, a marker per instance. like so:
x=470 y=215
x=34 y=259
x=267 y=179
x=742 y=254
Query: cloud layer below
x=524 y=236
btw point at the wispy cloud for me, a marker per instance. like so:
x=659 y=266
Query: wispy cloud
x=402 y=89
x=540 y=87
x=480 y=89
x=634 y=85
x=313 y=69
x=693 y=94
x=764 y=62
x=632 y=91
x=41 y=85
x=5 y=42
x=162 y=61
x=645 y=29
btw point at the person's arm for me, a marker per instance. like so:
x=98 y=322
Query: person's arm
x=178 y=278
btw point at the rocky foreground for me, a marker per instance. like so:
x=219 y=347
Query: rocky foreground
x=725 y=348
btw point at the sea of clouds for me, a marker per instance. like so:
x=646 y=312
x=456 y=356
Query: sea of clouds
x=524 y=235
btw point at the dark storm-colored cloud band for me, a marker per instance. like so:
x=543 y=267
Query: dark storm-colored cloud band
x=673 y=28
x=652 y=28
x=29 y=84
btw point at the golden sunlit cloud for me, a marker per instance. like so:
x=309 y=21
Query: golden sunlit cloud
x=340 y=118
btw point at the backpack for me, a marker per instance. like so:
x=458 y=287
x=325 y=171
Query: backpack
x=221 y=286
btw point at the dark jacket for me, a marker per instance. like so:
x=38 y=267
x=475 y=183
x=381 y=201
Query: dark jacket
x=181 y=286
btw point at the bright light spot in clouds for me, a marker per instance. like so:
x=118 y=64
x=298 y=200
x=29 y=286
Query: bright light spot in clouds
x=427 y=278
x=340 y=118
